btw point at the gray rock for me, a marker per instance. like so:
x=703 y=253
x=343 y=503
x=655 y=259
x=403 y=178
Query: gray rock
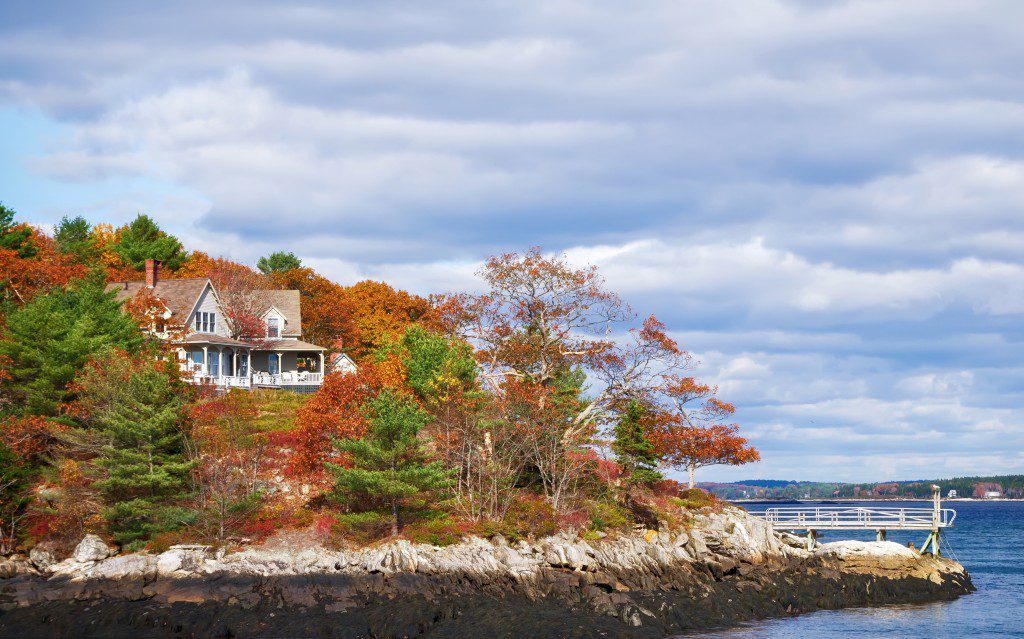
x=185 y=557
x=91 y=548
x=43 y=556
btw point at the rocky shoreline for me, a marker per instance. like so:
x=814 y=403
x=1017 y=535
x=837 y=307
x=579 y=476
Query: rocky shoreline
x=727 y=568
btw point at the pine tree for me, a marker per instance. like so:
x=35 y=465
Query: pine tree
x=50 y=338
x=388 y=464
x=73 y=236
x=143 y=240
x=145 y=464
x=633 y=450
x=278 y=262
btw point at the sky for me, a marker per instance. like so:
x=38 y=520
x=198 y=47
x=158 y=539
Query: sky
x=823 y=200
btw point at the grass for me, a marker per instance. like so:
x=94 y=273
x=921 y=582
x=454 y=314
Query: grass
x=275 y=408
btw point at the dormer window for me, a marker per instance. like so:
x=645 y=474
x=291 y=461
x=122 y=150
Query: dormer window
x=273 y=327
x=206 y=322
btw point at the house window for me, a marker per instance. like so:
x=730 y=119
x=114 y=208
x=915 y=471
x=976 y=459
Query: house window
x=213 y=363
x=206 y=322
x=272 y=365
x=273 y=327
x=196 y=357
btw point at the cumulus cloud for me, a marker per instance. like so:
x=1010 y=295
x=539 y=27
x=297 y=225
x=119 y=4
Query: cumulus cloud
x=823 y=200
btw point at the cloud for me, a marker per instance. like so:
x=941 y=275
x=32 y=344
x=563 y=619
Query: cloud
x=823 y=200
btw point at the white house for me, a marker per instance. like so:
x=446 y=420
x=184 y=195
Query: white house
x=208 y=353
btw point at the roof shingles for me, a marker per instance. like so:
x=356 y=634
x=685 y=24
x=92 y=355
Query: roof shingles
x=180 y=296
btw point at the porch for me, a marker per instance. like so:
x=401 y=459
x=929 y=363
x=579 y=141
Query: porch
x=227 y=363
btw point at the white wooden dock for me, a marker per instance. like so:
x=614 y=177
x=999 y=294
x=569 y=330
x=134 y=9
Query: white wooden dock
x=812 y=520
x=856 y=518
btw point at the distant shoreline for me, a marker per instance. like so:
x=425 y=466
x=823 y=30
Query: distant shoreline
x=854 y=499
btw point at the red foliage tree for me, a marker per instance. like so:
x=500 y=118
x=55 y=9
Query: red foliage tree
x=688 y=432
x=332 y=412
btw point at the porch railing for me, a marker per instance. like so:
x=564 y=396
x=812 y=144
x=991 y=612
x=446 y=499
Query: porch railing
x=287 y=379
x=257 y=379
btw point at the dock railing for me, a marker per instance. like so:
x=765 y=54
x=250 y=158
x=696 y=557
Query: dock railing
x=857 y=518
x=811 y=520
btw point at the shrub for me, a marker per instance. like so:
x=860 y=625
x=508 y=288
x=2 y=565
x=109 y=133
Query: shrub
x=530 y=516
x=606 y=515
x=442 y=531
x=361 y=527
x=694 y=499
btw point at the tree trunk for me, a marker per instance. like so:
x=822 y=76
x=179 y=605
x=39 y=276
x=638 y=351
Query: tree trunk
x=394 y=517
x=689 y=470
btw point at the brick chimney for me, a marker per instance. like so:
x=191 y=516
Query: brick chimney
x=152 y=272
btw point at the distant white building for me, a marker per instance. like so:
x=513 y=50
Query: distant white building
x=951 y=494
x=993 y=494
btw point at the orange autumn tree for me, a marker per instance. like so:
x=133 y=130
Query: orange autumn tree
x=381 y=314
x=22 y=278
x=326 y=311
x=689 y=430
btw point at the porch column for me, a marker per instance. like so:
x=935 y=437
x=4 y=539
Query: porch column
x=322 y=371
x=234 y=362
x=280 y=370
x=220 y=360
x=206 y=363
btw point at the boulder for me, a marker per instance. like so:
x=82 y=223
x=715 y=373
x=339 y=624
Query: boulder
x=43 y=556
x=91 y=548
x=184 y=557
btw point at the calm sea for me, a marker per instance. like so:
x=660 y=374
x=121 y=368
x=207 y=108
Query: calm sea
x=987 y=538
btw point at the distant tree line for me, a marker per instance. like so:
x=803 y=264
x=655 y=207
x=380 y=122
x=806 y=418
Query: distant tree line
x=1011 y=486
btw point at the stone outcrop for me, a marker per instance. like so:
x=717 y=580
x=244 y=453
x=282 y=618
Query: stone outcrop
x=91 y=548
x=726 y=568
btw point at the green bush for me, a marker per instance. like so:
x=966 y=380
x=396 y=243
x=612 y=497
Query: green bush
x=361 y=527
x=605 y=515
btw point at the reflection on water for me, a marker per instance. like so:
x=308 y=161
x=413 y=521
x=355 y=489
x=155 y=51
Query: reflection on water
x=987 y=539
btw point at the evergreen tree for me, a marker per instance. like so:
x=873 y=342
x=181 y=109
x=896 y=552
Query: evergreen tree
x=633 y=450
x=53 y=335
x=15 y=237
x=278 y=262
x=145 y=464
x=73 y=237
x=388 y=464
x=143 y=240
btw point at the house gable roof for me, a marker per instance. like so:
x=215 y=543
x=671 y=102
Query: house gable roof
x=287 y=304
x=180 y=296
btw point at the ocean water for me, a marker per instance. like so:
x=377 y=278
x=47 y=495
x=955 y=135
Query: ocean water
x=986 y=537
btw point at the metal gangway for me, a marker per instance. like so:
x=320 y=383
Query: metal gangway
x=811 y=520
